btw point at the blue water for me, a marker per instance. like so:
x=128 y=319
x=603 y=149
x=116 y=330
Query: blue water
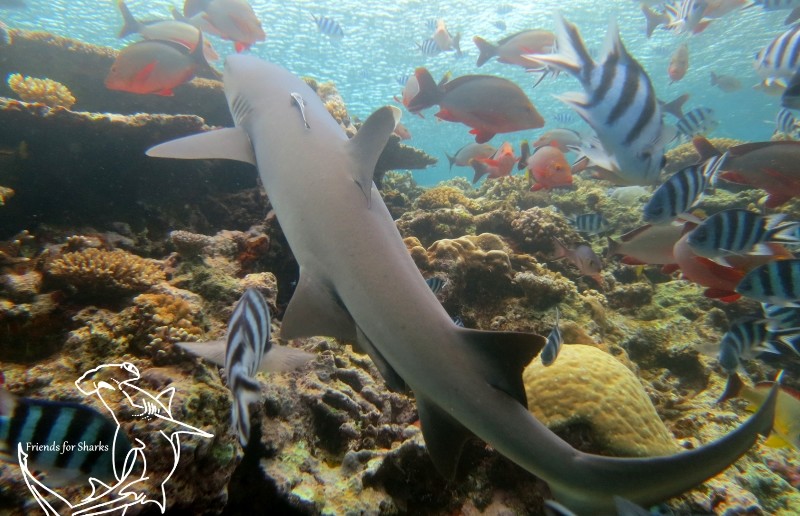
x=380 y=45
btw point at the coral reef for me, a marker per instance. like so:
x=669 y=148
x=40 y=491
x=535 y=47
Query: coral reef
x=44 y=91
x=96 y=272
x=443 y=197
x=596 y=390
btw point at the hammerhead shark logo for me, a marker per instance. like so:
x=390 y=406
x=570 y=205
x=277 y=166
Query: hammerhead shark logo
x=115 y=387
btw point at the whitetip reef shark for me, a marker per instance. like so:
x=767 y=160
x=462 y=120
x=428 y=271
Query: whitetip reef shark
x=358 y=283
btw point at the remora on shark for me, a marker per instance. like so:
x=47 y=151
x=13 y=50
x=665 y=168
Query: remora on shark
x=359 y=284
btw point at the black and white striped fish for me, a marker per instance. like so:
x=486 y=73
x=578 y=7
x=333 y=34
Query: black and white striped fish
x=780 y=59
x=739 y=231
x=686 y=16
x=591 y=223
x=619 y=103
x=429 y=47
x=745 y=339
x=403 y=79
x=682 y=191
x=246 y=351
x=329 y=27
x=553 y=345
x=436 y=283
x=564 y=118
x=781 y=317
x=43 y=428
x=697 y=121
x=786 y=123
x=776 y=282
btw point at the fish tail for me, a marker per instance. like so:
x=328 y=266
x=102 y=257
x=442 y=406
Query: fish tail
x=675 y=107
x=733 y=388
x=199 y=56
x=130 y=24
x=429 y=93
x=653 y=19
x=704 y=147
x=451 y=159
x=613 y=246
x=481 y=169
x=457 y=44
x=487 y=50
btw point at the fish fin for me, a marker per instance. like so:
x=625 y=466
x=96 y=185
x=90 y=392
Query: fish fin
x=228 y=143
x=675 y=107
x=130 y=24
x=283 y=358
x=451 y=159
x=727 y=273
x=142 y=75
x=429 y=92
x=793 y=16
x=212 y=351
x=368 y=144
x=393 y=380
x=572 y=55
x=482 y=136
x=689 y=217
x=733 y=388
x=480 y=168
x=316 y=310
x=776 y=441
x=704 y=147
x=504 y=356
x=762 y=249
x=701 y=26
x=653 y=19
x=487 y=50
x=444 y=437
x=726 y=296
x=240 y=47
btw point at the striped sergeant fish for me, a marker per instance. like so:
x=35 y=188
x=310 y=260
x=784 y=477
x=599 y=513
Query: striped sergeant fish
x=745 y=339
x=329 y=27
x=552 y=348
x=590 y=223
x=697 y=121
x=98 y=448
x=429 y=47
x=682 y=191
x=786 y=123
x=246 y=351
x=780 y=5
x=780 y=59
x=739 y=231
x=619 y=103
x=436 y=284
x=776 y=282
x=687 y=16
x=781 y=317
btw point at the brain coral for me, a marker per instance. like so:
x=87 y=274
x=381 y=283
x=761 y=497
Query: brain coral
x=586 y=386
x=44 y=91
x=106 y=273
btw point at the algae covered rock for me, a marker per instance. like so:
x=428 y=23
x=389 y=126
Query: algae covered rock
x=597 y=391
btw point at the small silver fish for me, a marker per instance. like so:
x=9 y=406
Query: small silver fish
x=301 y=104
x=582 y=257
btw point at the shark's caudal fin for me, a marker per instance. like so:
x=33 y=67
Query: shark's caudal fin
x=594 y=479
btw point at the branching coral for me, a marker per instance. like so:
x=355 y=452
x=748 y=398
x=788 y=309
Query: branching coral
x=96 y=272
x=167 y=319
x=443 y=197
x=44 y=91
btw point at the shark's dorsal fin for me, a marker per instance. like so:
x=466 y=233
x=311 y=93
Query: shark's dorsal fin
x=315 y=310
x=393 y=380
x=368 y=143
x=444 y=437
x=504 y=356
x=229 y=143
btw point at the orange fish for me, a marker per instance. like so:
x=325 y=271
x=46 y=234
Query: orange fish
x=679 y=63
x=156 y=67
x=444 y=40
x=487 y=104
x=233 y=20
x=499 y=165
x=549 y=168
x=402 y=131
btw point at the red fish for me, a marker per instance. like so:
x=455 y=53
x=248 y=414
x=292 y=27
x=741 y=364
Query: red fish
x=771 y=166
x=499 y=165
x=155 y=67
x=487 y=104
x=549 y=168
x=679 y=63
x=720 y=281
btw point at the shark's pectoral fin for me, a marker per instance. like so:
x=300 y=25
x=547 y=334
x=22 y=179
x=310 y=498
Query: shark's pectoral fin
x=444 y=437
x=229 y=143
x=393 y=380
x=368 y=143
x=505 y=355
x=315 y=310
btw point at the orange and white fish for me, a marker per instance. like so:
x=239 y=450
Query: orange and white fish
x=402 y=131
x=171 y=30
x=679 y=63
x=233 y=20
x=549 y=168
x=156 y=67
x=499 y=165
x=510 y=49
x=464 y=156
x=444 y=40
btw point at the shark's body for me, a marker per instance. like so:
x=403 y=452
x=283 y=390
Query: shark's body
x=359 y=283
